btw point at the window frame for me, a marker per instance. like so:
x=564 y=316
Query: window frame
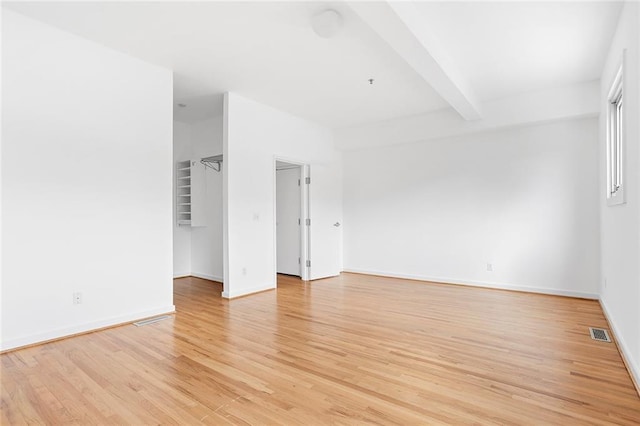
x=615 y=139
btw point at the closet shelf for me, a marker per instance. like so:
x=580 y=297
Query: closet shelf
x=190 y=192
x=183 y=192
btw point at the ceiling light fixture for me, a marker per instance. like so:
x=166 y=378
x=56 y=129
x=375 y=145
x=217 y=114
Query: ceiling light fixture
x=326 y=23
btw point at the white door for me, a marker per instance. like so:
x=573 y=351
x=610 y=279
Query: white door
x=325 y=201
x=288 y=221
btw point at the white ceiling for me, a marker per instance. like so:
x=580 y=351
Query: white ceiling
x=513 y=47
x=267 y=51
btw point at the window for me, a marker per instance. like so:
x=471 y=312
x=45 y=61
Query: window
x=615 y=133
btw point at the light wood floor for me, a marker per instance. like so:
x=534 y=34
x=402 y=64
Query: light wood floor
x=352 y=349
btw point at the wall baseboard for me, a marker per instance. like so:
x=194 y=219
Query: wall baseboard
x=61 y=333
x=206 y=277
x=247 y=291
x=182 y=275
x=484 y=284
x=625 y=353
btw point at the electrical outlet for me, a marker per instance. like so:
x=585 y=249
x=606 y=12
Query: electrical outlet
x=489 y=267
x=244 y=271
x=77 y=298
x=605 y=283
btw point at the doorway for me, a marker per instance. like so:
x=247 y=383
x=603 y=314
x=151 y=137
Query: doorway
x=291 y=207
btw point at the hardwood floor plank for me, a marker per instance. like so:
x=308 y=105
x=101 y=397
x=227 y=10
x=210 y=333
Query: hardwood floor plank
x=345 y=350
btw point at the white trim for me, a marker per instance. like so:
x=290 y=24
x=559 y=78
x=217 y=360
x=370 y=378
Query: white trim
x=247 y=291
x=485 y=284
x=207 y=277
x=305 y=213
x=83 y=328
x=616 y=92
x=630 y=362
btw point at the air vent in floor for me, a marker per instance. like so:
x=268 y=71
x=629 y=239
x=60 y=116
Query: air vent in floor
x=599 y=334
x=150 y=321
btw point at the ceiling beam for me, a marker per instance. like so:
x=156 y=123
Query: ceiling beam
x=399 y=24
x=525 y=109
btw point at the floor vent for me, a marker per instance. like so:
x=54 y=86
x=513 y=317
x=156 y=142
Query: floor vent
x=150 y=321
x=599 y=334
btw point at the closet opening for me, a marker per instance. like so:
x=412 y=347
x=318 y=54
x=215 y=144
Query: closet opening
x=198 y=200
x=292 y=219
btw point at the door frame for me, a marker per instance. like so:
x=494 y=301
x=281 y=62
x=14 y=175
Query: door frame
x=305 y=246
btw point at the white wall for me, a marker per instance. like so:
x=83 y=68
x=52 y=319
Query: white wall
x=524 y=200
x=620 y=224
x=86 y=184
x=181 y=234
x=254 y=135
x=206 y=241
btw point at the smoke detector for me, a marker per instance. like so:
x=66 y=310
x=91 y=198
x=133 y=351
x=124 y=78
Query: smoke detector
x=326 y=23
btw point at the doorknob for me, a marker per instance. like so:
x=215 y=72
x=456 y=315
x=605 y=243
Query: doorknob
x=337 y=224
